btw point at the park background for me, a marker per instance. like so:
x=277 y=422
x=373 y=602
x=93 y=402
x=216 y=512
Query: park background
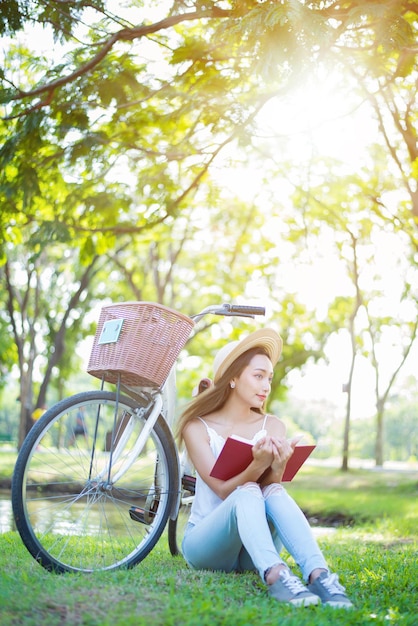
x=193 y=152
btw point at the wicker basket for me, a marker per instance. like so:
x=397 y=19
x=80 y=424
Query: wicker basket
x=138 y=341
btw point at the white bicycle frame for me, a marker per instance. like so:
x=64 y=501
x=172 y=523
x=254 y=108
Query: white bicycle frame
x=164 y=403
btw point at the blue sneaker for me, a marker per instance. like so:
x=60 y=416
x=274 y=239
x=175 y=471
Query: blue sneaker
x=329 y=589
x=288 y=588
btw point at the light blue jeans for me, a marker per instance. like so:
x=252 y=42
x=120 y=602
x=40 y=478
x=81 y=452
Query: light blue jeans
x=248 y=530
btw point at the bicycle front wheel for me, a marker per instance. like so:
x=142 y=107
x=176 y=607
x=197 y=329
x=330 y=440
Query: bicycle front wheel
x=83 y=499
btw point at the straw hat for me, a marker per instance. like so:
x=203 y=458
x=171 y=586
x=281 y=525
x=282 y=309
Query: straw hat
x=266 y=338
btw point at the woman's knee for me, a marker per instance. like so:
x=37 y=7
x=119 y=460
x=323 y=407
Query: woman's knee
x=249 y=492
x=252 y=488
x=274 y=489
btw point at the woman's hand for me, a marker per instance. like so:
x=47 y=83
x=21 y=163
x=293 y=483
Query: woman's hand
x=263 y=451
x=282 y=451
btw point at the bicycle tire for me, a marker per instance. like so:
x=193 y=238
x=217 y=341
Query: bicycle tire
x=175 y=530
x=177 y=525
x=68 y=512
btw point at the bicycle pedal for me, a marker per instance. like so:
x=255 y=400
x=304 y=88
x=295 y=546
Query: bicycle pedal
x=189 y=483
x=144 y=516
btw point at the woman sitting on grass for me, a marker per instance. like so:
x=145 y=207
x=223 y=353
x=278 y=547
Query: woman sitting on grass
x=242 y=523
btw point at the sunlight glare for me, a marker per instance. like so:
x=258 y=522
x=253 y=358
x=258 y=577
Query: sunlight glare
x=322 y=118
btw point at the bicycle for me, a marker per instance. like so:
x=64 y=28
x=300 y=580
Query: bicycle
x=103 y=502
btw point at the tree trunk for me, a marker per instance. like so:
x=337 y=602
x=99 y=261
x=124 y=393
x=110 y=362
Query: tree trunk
x=379 y=457
x=25 y=422
x=346 y=440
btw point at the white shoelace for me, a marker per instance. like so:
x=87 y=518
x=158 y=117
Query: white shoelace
x=332 y=584
x=292 y=582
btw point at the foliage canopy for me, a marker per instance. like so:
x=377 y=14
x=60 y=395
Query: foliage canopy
x=113 y=122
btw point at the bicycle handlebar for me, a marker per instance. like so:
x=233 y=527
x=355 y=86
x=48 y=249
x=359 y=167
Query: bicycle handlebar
x=226 y=309
x=246 y=310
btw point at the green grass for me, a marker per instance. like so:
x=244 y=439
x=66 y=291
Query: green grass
x=360 y=497
x=376 y=557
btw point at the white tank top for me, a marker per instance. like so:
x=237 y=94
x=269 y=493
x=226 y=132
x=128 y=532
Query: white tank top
x=205 y=499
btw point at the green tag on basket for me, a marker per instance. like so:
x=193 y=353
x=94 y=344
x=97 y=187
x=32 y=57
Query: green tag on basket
x=110 y=331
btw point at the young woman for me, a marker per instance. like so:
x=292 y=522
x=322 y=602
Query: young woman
x=242 y=523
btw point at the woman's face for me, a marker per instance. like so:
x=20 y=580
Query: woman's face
x=254 y=383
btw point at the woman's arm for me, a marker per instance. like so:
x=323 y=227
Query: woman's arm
x=198 y=448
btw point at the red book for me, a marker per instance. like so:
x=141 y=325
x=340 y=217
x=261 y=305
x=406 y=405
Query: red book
x=237 y=454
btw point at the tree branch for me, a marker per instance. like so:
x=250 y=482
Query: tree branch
x=125 y=34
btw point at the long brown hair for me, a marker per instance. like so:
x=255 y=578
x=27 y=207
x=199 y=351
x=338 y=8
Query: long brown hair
x=214 y=398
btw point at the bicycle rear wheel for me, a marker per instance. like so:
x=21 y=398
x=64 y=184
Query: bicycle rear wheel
x=74 y=507
x=177 y=526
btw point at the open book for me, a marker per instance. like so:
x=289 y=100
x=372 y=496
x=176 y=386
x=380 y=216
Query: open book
x=237 y=454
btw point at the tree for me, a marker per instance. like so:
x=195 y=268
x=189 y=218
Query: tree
x=211 y=256
x=266 y=32
x=112 y=138
x=401 y=438
x=358 y=232
x=386 y=76
x=45 y=301
x=404 y=340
